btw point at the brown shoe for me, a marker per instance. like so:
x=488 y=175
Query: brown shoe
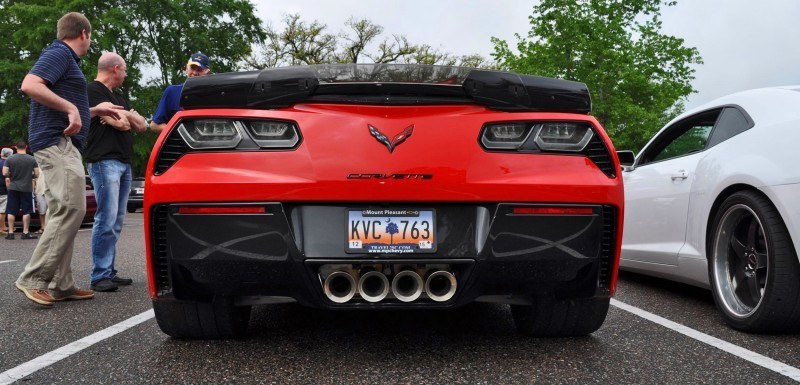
x=42 y=297
x=77 y=294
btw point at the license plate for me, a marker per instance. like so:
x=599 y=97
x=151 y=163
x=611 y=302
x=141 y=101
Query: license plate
x=391 y=231
x=138 y=190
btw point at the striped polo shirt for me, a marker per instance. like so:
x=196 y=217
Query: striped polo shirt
x=58 y=65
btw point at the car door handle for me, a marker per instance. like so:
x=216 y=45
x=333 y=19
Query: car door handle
x=680 y=175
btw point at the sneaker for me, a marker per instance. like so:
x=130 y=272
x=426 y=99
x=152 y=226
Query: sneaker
x=105 y=284
x=121 y=281
x=10 y=236
x=28 y=236
x=42 y=297
x=77 y=294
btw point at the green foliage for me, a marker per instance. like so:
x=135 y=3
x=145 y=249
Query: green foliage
x=147 y=34
x=639 y=78
x=155 y=37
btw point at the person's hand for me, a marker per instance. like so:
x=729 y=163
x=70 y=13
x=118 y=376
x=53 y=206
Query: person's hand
x=124 y=127
x=75 y=123
x=104 y=109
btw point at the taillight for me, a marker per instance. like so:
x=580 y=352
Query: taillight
x=505 y=136
x=536 y=136
x=273 y=133
x=566 y=136
x=215 y=134
x=230 y=133
x=555 y=137
x=210 y=133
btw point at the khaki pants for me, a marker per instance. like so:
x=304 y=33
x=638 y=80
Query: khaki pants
x=50 y=266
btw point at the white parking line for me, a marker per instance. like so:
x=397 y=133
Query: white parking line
x=758 y=359
x=65 y=351
x=8 y=261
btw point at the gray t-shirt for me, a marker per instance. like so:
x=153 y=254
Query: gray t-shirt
x=20 y=171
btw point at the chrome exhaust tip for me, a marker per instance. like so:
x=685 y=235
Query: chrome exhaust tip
x=440 y=285
x=407 y=286
x=373 y=286
x=339 y=287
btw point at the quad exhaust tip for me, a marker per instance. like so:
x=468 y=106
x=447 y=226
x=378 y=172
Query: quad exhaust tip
x=407 y=286
x=440 y=285
x=339 y=287
x=373 y=286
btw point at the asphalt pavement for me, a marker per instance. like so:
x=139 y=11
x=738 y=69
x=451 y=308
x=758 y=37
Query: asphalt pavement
x=475 y=344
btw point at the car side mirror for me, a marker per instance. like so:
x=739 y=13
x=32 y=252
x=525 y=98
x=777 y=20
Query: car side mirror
x=626 y=159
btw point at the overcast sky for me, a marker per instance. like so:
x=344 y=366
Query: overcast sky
x=744 y=44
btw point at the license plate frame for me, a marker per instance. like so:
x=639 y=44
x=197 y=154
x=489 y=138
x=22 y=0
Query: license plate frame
x=363 y=224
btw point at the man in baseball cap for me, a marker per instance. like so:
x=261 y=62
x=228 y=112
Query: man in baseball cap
x=198 y=65
x=198 y=59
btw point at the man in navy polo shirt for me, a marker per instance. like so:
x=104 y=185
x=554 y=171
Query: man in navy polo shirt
x=171 y=98
x=57 y=131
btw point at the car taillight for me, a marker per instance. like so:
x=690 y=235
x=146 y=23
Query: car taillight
x=505 y=135
x=558 y=136
x=230 y=133
x=547 y=136
x=226 y=134
x=273 y=133
x=210 y=133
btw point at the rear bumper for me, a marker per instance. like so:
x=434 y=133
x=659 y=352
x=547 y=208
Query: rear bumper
x=278 y=255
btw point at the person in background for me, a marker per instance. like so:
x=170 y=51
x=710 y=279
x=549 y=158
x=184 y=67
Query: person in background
x=108 y=155
x=41 y=202
x=197 y=65
x=57 y=129
x=4 y=154
x=20 y=169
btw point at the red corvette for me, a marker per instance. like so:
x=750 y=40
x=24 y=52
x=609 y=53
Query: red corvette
x=382 y=186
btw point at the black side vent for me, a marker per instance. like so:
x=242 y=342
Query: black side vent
x=160 y=254
x=599 y=154
x=607 y=247
x=174 y=147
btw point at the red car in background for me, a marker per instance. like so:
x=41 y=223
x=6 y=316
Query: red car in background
x=88 y=218
x=382 y=187
x=91 y=204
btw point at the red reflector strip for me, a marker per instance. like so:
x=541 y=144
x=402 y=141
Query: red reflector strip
x=553 y=210
x=223 y=210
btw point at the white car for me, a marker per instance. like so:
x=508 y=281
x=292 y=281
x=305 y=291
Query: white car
x=713 y=200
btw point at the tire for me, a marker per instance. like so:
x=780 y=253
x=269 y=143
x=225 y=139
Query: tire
x=753 y=266
x=201 y=320
x=131 y=209
x=548 y=317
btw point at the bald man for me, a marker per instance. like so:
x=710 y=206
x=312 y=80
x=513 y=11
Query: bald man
x=108 y=154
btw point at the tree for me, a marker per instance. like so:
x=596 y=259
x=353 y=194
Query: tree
x=301 y=42
x=392 y=229
x=147 y=34
x=638 y=77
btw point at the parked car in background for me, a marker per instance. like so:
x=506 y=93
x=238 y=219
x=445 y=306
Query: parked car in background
x=91 y=204
x=713 y=201
x=136 y=197
x=382 y=187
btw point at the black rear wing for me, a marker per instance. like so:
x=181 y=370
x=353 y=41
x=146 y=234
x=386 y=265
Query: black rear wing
x=385 y=84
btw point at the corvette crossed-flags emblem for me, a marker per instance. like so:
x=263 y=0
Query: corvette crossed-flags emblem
x=399 y=138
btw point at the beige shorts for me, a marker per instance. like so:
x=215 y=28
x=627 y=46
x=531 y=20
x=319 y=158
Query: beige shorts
x=3 y=201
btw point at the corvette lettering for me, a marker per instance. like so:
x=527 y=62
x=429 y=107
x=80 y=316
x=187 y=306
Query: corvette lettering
x=390 y=176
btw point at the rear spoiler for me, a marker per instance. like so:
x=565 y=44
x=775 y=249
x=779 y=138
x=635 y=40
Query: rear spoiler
x=385 y=84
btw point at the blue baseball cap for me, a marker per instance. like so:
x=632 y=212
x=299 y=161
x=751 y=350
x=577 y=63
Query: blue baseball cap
x=199 y=59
